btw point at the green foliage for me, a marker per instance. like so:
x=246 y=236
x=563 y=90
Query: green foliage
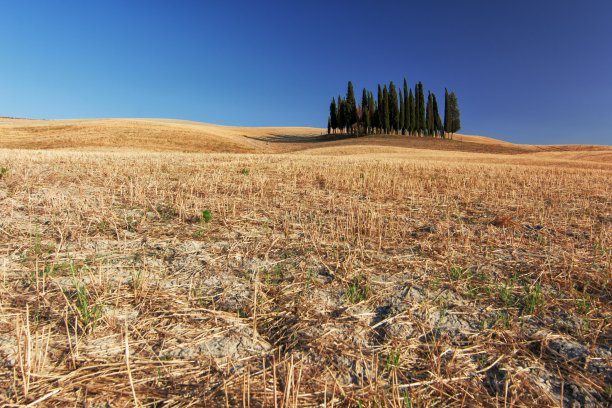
x=341 y=114
x=406 y=124
x=3 y=172
x=372 y=111
x=533 y=298
x=245 y=171
x=402 y=113
x=333 y=115
x=357 y=290
x=365 y=111
x=420 y=109
x=503 y=317
x=393 y=108
x=276 y=275
x=584 y=304
x=437 y=121
x=88 y=314
x=446 y=112
x=206 y=216
x=407 y=401
x=429 y=119
x=457 y=273
x=380 y=109
x=392 y=360
x=351 y=107
x=454 y=116
x=411 y=113
x=386 y=110
x=505 y=295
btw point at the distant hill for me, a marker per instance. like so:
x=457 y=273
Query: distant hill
x=185 y=136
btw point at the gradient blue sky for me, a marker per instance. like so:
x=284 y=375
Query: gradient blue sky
x=524 y=70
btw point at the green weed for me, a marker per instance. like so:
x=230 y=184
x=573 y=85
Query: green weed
x=407 y=401
x=276 y=275
x=206 y=216
x=456 y=273
x=505 y=295
x=392 y=360
x=88 y=314
x=533 y=298
x=358 y=290
x=584 y=304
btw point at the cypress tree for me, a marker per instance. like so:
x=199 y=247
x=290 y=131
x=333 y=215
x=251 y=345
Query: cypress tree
x=411 y=113
x=351 y=107
x=446 y=113
x=386 y=118
x=406 y=124
x=393 y=108
x=365 y=111
x=402 y=115
x=372 y=109
x=417 y=107
x=381 y=110
x=421 y=109
x=341 y=114
x=439 y=130
x=333 y=115
x=454 y=113
x=429 y=120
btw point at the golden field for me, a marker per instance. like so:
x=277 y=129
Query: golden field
x=283 y=269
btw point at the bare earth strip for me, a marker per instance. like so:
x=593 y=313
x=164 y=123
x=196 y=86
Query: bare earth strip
x=374 y=271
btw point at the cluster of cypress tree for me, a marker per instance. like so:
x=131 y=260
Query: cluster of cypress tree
x=405 y=113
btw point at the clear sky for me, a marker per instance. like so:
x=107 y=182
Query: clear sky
x=524 y=70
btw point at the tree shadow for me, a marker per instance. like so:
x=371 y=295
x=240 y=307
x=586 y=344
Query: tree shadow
x=282 y=138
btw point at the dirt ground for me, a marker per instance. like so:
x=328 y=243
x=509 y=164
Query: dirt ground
x=390 y=274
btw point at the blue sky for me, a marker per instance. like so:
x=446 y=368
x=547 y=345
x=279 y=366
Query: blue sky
x=525 y=71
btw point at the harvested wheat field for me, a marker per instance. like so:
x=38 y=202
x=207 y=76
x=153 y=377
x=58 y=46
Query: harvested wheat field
x=140 y=134
x=333 y=273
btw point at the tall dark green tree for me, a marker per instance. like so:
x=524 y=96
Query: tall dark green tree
x=351 y=107
x=447 y=121
x=429 y=117
x=386 y=116
x=372 y=109
x=341 y=114
x=455 y=114
x=402 y=115
x=406 y=124
x=365 y=111
x=381 y=110
x=420 y=109
x=438 y=128
x=393 y=108
x=333 y=115
x=411 y=114
x=328 y=125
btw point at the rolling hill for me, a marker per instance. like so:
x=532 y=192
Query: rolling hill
x=159 y=135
